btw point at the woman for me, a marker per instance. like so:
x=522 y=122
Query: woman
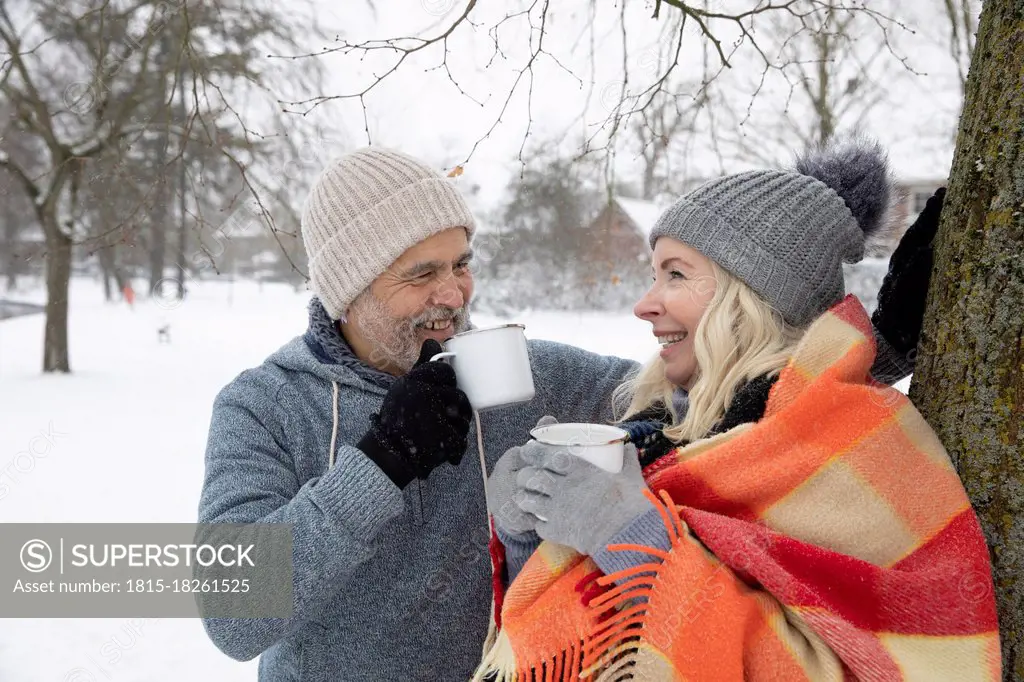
x=788 y=518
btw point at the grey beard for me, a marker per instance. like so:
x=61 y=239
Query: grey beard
x=393 y=339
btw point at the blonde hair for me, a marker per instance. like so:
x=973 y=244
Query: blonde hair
x=740 y=337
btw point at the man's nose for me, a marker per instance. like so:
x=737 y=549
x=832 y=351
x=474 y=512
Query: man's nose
x=448 y=293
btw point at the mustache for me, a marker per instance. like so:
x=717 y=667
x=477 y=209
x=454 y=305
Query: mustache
x=439 y=314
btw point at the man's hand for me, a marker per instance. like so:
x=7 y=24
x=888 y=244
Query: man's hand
x=423 y=422
x=901 y=299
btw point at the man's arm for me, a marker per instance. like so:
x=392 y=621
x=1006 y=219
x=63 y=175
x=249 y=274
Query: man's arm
x=250 y=478
x=577 y=385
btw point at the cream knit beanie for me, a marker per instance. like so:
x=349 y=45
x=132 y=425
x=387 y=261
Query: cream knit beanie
x=365 y=209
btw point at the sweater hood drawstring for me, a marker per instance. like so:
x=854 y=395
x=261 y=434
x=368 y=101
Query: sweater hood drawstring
x=483 y=466
x=334 y=425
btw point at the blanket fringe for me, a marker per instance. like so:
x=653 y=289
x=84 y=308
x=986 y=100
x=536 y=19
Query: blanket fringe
x=610 y=652
x=612 y=649
x=500 y=666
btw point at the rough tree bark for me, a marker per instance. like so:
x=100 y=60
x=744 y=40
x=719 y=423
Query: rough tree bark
x=969 y=382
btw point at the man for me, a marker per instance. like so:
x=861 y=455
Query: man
x=339 y=435
x=352 y=436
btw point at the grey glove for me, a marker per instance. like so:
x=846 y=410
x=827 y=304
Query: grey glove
x=501 y=487
x=576 y=503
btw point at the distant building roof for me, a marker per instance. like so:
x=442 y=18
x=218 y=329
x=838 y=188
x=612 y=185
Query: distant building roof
x=643 y=213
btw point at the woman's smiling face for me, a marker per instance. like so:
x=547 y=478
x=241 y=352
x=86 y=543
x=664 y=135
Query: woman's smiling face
x=684 y=284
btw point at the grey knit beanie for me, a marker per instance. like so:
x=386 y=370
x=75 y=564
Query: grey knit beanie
x=787 y=233
x=365 y=209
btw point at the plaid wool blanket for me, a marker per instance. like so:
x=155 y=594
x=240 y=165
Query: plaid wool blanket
x=832 y=540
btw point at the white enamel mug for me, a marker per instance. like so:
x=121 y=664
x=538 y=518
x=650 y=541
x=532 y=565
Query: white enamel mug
x=601 y=445
x=492 y=365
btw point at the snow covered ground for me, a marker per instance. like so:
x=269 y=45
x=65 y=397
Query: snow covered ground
x=124 y=440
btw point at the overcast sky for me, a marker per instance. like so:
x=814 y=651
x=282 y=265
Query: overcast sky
x=418 y=109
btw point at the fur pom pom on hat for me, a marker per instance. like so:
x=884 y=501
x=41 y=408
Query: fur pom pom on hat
x=786 y=233
x=858 y=171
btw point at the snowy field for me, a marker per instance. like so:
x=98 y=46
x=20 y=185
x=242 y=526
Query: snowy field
x=126 y=435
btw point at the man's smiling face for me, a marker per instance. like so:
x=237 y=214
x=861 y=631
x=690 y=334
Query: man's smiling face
x=425 y=294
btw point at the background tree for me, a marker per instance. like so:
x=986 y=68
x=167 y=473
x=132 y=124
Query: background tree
x=969 y=382
x=962 y=30
x=548 y=205
x=835 y=67
x=86 y=82
x=665 y=133
x=18 y=241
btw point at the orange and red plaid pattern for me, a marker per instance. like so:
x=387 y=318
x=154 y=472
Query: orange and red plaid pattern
x=832 y=540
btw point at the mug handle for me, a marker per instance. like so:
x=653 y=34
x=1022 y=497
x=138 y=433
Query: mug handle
x=446 y=354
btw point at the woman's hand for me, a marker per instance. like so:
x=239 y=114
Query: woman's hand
x=501 y=489
x=902 y=296
x=576 y=503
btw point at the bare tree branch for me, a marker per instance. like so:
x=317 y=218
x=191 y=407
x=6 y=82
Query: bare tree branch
x=15 y=169
x=36 y=113
x=962 y=28
x=714 y=26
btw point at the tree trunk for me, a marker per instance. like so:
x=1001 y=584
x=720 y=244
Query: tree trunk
x=969 y=382
x=58 y=277
x=182 y=273
x=822 y=106
x=182 y=188
x=647 y=189
x=158 y=237
x=108 y=292
x=108 y=268
x=11 y=248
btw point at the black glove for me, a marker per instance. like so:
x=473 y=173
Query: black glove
x=901 y=299
x=423 y=422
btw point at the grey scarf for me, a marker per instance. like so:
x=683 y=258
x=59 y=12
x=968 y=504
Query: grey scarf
x=326 y=342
